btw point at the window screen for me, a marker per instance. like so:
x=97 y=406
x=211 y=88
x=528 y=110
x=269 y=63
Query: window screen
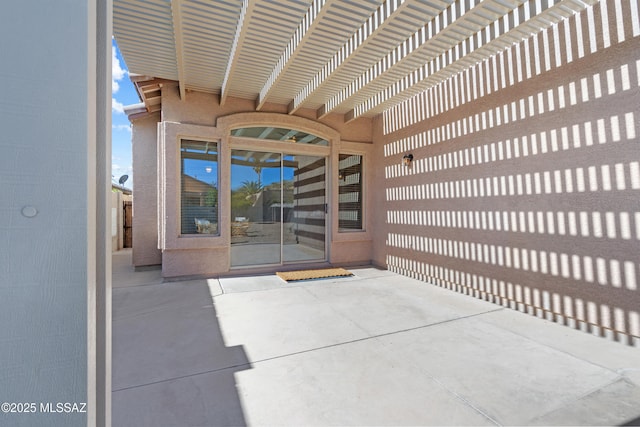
x=199 y=187
x=350 y=192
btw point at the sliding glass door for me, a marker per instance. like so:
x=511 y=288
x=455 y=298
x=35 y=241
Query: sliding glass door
x=277 y=208
x=256 y=195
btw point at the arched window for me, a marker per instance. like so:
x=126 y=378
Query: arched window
x=279 y=134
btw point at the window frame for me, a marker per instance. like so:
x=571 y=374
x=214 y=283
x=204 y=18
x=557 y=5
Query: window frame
x=217 y=145
x=291 y=135
x=363 y=190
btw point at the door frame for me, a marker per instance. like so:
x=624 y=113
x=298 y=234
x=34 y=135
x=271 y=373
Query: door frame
x=127 y=224
x=284 y=148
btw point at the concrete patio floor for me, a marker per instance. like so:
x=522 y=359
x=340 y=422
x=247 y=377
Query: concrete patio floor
x=373 y=349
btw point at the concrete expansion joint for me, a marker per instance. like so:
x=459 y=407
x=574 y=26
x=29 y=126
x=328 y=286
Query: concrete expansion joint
x=601 y=387
x=630 y=375
x=464 y=400
x=215 y=288
x=372 y=337
x=559 y=349
x=156 y=310
x=356 y=278
x=282 y=356
x=583 y=396
x=623 y=371
x=180 y=377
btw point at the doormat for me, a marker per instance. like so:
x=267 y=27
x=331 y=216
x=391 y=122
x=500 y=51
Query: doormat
x=291 y=276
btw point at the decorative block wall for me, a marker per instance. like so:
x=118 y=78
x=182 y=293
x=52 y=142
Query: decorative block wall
x=525 y=184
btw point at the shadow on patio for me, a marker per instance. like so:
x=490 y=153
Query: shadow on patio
x=374 y=349
x=171 y=366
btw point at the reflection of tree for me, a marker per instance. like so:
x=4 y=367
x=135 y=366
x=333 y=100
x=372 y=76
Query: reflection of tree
x=287 y=190
x=272 y=192
x=251 y=190
x=211 y=198
x=274 y=186
x=244 y=197
x=257 y=168
x=239 y=203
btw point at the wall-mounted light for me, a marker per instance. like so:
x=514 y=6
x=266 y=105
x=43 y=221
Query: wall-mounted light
x=340 y=176
x=407 y=159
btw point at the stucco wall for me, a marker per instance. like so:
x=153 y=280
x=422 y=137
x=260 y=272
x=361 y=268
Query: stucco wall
x=145 y=192
x=54 y=270
x=204 y=109
x=525 y=182
x=198 y=116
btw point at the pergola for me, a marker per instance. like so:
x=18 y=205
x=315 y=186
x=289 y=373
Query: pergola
x=353 y=58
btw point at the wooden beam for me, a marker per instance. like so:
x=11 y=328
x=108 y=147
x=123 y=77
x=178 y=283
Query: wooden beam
x=378 y=21
x=238 y=40
x=299 y=39
x=464 y=54
x=176 y=13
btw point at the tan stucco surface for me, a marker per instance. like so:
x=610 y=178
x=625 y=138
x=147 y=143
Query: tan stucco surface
x=524 y=185
x=145 y=192
x=200 y=116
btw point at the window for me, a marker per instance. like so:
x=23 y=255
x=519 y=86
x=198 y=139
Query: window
x=280 y=134
x=199 y=187
x=350 y=192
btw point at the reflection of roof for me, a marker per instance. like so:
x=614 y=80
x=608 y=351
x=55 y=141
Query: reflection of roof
x=193 y=185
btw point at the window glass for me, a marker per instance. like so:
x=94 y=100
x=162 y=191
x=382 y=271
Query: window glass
x=280 y=134
x=199 y=187
x=350 y=192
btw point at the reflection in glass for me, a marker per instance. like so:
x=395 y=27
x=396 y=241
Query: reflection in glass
x=350 y=192
x=277 y=208
x=199 y=187
x=280 y=134
x=304 y=208
x=255 y=208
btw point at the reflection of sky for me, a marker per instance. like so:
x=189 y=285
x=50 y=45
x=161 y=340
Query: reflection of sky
x=269 y=175
x=198 y=169
x=123 y=93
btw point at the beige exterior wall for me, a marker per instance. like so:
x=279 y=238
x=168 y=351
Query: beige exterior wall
x=525 y=181
x=55 y=170
x=145 y=192
x=204 y=109
x=157 y=177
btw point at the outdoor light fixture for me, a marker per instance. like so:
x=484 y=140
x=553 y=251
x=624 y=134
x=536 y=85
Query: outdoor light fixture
x=407 y=159
x=340 y=176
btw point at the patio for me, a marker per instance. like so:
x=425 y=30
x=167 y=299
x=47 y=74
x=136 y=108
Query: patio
x=373 y=349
